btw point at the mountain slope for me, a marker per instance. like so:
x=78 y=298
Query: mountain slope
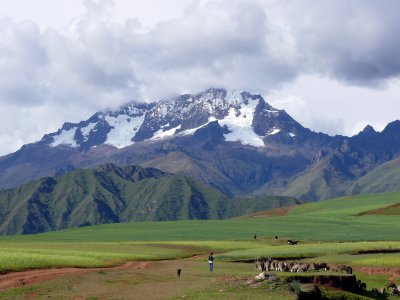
x=110 y=194
x=233 y=141
x=384 y=178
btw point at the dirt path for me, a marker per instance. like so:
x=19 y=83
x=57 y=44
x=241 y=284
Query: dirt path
x=17 y=279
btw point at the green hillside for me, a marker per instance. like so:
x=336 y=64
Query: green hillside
x=384 y=178
x=329 y=228
x=324 y=179
x=110 y=194
x=330 y=220
x=337 y=175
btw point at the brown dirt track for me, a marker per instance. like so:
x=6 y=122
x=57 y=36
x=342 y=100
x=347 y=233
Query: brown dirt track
x=17 y=279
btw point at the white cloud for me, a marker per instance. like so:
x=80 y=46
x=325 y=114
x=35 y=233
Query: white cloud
x=110 y=52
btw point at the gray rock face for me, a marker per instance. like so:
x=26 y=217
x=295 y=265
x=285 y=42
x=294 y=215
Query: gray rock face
x=239 y=112
x=233 y=141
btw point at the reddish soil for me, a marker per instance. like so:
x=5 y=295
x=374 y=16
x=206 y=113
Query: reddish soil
x=17 y=279
x=281 y=211
x=394 y=273
x=388 y=210
x=199 y=256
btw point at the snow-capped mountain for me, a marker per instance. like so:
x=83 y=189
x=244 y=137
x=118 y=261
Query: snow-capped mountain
x=233 y=141
x=248 y=118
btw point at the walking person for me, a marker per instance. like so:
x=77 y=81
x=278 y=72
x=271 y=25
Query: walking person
x=211 y=261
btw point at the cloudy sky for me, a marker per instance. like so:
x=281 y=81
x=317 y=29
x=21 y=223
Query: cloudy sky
x=333 y=65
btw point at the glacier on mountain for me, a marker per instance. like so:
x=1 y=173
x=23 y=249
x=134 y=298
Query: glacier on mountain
x=181 y=115
x=123 y=129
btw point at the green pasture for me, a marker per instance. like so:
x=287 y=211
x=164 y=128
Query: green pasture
x=330 y=220
x=310 y=250
x=381 y=260
x=328 y=229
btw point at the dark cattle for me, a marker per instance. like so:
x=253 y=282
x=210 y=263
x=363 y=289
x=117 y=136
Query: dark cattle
x=290 y=242
x=362 y=285
x=276 y=237
x=178 y=272
x=323 y=267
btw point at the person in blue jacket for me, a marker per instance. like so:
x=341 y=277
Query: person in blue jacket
x=211 y=261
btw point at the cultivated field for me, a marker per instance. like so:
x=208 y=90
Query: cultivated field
x=335 y=231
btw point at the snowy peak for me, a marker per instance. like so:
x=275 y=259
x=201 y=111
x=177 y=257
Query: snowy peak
x=247 y=118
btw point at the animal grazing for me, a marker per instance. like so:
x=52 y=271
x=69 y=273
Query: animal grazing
x=362 y=285
x=178 y=272
x=323 y=267
x=349 y=270
x=342 y=268
x=291 y=242
x=318 y=267
x=268 y=264
x=303 y=268
x=281 y=266
x=294 y=268
x=261 y=266
x=313 y=267
x=394 y=292
x=261 y=263
x=289 y=265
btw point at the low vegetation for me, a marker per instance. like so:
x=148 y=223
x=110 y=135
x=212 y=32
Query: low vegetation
x=333 y=231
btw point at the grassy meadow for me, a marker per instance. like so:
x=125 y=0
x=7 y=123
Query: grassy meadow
x=320 y=226
x=335 y=231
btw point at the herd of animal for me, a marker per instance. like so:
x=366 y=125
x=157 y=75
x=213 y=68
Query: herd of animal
x=391 y=288
x=269 y=264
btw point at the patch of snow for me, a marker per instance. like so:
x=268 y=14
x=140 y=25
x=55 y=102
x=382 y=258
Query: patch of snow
x=66 y=137
x=86 y=130
x=162 y=134
x=292 y=134
x=125 y=128
x=239 y=125
x=273 y=131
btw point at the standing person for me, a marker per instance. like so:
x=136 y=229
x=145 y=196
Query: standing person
x=211 y=261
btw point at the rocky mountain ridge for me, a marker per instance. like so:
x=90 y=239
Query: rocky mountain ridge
x=233 y=141
x=247 y=117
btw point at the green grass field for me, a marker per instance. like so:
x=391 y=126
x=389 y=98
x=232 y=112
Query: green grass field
x=321 y=224
x=332 y=231
x=330 y=220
